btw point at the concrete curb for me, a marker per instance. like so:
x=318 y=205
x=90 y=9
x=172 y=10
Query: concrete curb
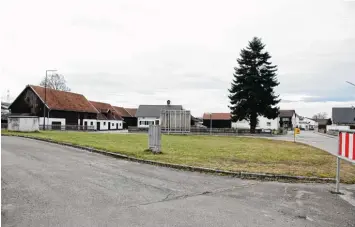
x=243 y=175
x=326 y=135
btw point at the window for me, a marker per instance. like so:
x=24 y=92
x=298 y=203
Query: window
x=91 y=123
x=113 y=124
x=120 y=124
x=104 y=122
x=268 y=123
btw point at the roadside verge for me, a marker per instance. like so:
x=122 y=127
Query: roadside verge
x=244 y=175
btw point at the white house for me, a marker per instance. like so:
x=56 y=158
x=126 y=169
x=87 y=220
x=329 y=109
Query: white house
x=263 y=123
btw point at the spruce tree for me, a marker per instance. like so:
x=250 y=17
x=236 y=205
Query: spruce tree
x=252 y=91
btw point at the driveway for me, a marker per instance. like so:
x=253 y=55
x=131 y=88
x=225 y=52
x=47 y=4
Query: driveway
x=50 y=185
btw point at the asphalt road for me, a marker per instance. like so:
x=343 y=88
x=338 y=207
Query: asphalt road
x=50 y=185
x=322 y=141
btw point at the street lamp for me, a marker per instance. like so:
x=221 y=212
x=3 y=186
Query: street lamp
x=45 y=97
x=350 y=83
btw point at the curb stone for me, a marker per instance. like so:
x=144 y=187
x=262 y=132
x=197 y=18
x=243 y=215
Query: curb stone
x=242 y=175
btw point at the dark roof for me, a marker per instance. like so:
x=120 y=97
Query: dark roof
x=154 y=110
x=343 y=115
x=217 y=116
x=122 y=111
x=323 y=121
x=62 y=100
x=286 y=113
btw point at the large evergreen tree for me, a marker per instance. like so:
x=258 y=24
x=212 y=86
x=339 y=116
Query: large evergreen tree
x=252 y=91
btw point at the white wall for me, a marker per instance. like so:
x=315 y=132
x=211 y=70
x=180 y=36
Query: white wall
x=338 y=127
x=151 y=120
x=23 y=124
x=244 y=124
x=50 y=120
x=104 y=124
x=263 y=123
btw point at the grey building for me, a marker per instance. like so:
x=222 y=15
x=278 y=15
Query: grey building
x=343 y=116
x=150 y=114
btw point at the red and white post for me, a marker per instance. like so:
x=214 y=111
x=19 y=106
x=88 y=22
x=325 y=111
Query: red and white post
x=346 y=151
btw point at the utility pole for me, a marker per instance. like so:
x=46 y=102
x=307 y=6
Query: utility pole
x=45 y=98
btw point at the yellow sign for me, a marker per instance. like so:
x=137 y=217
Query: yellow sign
x=297 y=131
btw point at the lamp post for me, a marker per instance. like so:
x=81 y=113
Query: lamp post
x=210 y=123
x=350 y=83
x=45 y=97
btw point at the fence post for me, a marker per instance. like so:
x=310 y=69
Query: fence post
x=337 y=176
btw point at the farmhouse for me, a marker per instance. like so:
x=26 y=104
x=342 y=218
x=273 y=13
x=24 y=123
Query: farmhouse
x=218 y=120
x=150 y=114
x=288 y=119
x=107 y=118
x=53 y=107
x=128 y=115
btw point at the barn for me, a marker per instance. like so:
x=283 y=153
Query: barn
x=53 y=107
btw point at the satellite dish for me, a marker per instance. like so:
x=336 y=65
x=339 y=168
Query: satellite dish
x=168 y=102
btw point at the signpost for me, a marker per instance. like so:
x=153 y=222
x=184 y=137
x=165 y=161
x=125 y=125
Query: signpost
x=346 y=151
x=296 y=131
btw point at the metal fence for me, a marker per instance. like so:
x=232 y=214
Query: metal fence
x=207 y=131
x=68 y=127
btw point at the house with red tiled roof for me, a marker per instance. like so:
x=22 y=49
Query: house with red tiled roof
x=128 y=115
x=53 y=107
x=108 y=118
x=217 y=120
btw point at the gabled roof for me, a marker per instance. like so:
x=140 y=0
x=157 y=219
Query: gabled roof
x=154 y=110
x=323 y=121
x=122 y=111
x=217 y=116
x=62 y=100
x=103 y=107
x=343 y=115
x=131 y=111
x=287 y=113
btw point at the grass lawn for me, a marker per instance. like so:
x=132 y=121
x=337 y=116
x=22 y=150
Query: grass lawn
x=218 y=152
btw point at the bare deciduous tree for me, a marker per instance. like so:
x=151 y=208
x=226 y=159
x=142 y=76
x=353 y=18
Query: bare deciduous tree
x=55 y=81
x=321 y=115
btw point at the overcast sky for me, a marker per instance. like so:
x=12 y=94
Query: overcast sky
x=145 y=52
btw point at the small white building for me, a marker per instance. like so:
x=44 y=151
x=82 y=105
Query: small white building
x=23 y=123
x=107 y=118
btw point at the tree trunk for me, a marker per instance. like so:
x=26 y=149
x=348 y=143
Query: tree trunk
x=253 y=121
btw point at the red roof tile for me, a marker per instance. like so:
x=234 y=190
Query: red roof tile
x=132 y=111
x=105 y=108
x=122 y=111
x=63 y=100
x=217 y=116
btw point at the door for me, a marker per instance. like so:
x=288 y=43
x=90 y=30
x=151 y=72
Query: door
x=109 y=125
x=97 y=125
x=116 y=125
x=56 y=125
